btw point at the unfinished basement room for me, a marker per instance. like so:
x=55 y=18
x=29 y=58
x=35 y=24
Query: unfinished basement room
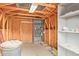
x=28 y=29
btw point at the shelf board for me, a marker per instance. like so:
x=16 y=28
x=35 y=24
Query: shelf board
x=70 y=14
x=69 y=32
x=70 y=47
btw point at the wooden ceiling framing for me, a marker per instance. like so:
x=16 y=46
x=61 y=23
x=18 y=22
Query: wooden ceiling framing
x=14 y=11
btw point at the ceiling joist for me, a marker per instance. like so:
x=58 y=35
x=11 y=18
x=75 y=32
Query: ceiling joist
x=26 y=15
x=5 y=4
x=20 y=9
x=17 y=12
x=47 y=5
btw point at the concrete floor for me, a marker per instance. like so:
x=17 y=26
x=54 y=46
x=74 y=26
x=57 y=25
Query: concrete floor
x=30 y=49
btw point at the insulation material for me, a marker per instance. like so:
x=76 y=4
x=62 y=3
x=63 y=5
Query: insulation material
x=11 y=44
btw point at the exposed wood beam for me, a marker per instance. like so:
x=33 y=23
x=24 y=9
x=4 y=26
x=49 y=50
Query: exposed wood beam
x=20 y=9
x=46 y=23
x=7 y=30
x=26 y=15
x=47 y=9
x=1 y=11
x=38 y=13
x=49 y=31
x=9 y=11
x=1 y=17
x=47 y=5
x=26 y=21
x=3 y=25
x=51 y=13
x=50 y=10
x=5 y=4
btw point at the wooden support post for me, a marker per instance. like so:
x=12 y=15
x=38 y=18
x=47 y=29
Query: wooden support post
x=7 y=31
x=56 y=28
x=49 y=30
x=20 y=31
x=1 y=17
x=9 y=27
x=45 y=24
x=3 y=26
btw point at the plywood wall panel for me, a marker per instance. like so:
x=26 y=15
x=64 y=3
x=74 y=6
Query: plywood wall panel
x=26 y=29
x=16 y=29
x=19 y=31
x=13 y=29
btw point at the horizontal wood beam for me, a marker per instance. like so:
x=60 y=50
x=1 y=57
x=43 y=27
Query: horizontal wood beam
x=49 y=11
x=26 y=22
x=47 y=5
x=5 y=4
x=20 y=9
x=25 y=15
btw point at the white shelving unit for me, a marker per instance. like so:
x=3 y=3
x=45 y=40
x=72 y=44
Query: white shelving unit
x=68 y=41
x=70 y=47
x=70 y=14
x=69 y=32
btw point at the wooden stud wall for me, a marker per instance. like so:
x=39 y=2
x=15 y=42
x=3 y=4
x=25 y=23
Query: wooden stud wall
x=13 y=17
x=51 y=31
